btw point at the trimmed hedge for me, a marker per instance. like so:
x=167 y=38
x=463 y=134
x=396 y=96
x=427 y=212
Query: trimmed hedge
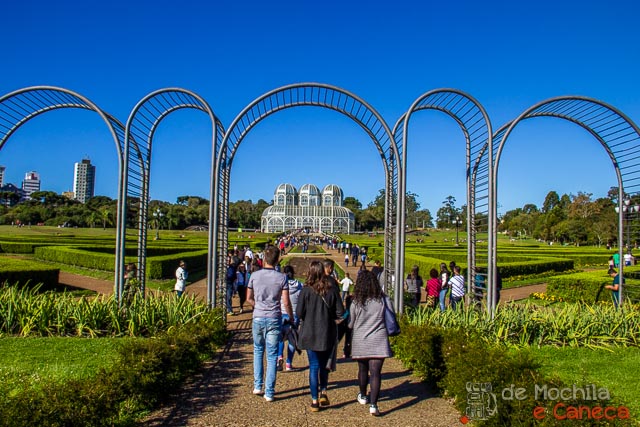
x=16 y=248
x=585 y=287
x=16 y=271
x=76 y=256
x=158 y=267
x=165 y=266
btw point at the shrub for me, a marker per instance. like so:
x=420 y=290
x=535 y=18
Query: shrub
x=147 y=370
x=16 y=271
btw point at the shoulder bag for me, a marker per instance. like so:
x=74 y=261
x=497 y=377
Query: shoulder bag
x=390 y=320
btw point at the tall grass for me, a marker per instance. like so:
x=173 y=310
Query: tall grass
x=575 y=325
x=26 y=312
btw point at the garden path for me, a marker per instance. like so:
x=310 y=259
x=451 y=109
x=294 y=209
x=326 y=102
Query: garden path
x=220 y=395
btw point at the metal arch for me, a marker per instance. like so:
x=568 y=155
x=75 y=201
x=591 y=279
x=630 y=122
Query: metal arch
x=141 y=126
x=320 y=95
x=20 y=106
x=476 y=127
x=616 y=132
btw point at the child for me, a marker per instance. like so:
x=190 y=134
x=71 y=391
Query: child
x=346 y=260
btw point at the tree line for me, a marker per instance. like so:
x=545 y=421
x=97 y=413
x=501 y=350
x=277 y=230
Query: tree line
x=576 y=219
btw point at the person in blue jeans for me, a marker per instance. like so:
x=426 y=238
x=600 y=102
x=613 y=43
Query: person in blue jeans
x=267 y=292
x=445 y=275
x=319 y=309
x=294 y=292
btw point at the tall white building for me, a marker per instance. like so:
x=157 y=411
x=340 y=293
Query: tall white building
x=31 y=183
x=84 y=179
x=2 y=175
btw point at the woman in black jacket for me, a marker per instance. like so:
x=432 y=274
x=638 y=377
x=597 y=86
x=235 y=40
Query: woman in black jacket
x=319 y=309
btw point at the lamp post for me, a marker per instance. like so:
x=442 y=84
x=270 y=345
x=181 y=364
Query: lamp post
x=628 y=209
x=457 y=226
x=157 y=214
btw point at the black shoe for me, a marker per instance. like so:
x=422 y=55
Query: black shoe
x=315 y=407
x=280 y=364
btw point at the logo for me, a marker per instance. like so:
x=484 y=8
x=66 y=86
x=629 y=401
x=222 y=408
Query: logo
x=482 y=403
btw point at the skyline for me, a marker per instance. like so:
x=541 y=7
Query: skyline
x=508 y=56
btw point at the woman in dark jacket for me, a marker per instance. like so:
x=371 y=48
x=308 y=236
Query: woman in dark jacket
x=319 y=309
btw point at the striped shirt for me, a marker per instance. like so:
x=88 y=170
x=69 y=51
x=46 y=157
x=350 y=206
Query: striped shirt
x=457 y=286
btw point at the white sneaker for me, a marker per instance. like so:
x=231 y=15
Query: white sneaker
x=363 y=400
x=268 y=399
x=257 y=391
x=373 y=410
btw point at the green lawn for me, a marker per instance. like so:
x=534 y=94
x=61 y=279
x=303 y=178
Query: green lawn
x=34 y=360
x=615 y=368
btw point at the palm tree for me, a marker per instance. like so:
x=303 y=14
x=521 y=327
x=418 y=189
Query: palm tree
x=105 y=218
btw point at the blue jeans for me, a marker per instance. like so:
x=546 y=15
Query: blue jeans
x=291 y=350
x=443 y=298
x=266 y=333
x=318 y=372
x=455 y=301
x=229 y=297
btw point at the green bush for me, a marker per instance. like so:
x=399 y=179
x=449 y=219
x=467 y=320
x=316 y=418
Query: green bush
x=16 y=248
x=585 y=287
x=165 y=266
x=457 y=362
x=146 y=371
x=20 y=272
x=158 y=267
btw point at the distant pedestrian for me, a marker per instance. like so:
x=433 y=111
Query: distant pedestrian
x=434 y=285
x=457 y=287
x=413 y=284
x=614 y=287
x=346 y=286
x=346 y=260
x=242 y=279
x=445 y=275
x=181 y=278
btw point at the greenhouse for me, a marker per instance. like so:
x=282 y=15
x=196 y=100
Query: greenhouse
x=310 y=209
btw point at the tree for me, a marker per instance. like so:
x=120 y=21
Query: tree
x=551 y=201
x=447 y=213
x=105 y=217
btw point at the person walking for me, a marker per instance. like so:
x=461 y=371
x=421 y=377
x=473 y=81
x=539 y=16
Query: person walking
x=369 y=342
x=445 y=275
x=181 y=278
x=346 y=260
x=230 y=280
x=434 y=285
x=241 y=285
x=319 y=309
x=346 y=286
x=294 y=293
x=267 y=292
x=457 y=287
x=413 y=284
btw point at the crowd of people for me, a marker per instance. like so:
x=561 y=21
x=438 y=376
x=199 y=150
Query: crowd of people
x=289 y=317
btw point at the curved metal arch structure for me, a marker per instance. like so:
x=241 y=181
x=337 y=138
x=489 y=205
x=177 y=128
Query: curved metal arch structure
x=140 y=130
x=20 y=106
x=618 y=135
x=316 y=95
x=476 y=127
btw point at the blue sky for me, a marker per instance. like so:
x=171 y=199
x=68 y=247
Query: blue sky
x=508 y=55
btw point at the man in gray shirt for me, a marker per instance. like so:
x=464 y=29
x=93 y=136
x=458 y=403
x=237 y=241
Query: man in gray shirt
x=266 y=291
